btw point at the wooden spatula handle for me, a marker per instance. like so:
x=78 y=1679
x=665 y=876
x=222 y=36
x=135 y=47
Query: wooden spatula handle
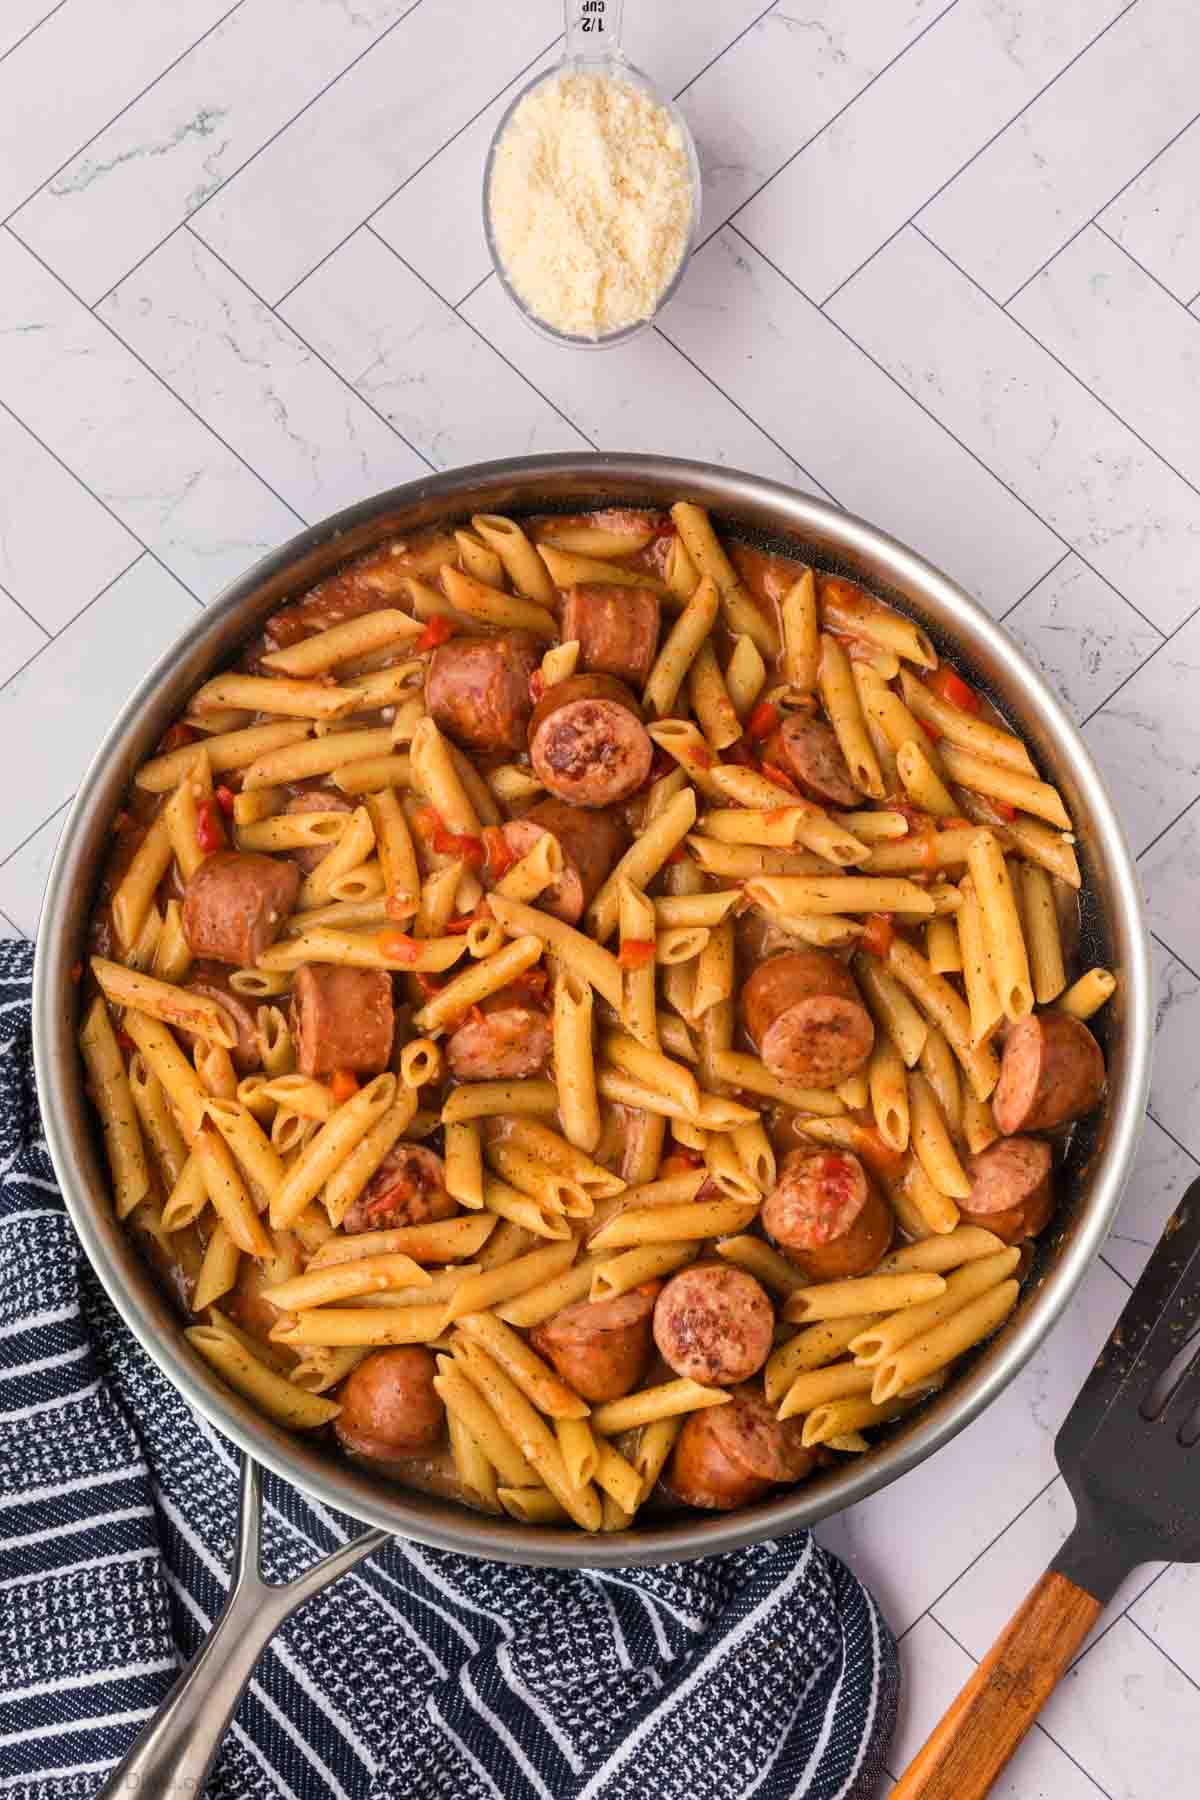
x=981 y=1729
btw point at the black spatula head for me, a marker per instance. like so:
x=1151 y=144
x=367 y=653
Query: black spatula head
x=1128 y=1447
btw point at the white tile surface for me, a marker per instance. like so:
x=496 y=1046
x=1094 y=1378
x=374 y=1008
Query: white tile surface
x=875 y=166
x=68 y=696
x=264 y=391
x=440 y=384
x=1146 y=738
x=1157 y=217
x=1076 y=464
x=86 y=61
x=1087 y=307
x=860 y=435
x=164 y=475
x=1081 y=634
x=180 y=141
x=42 y=502
x=1079 y=143
x=367 y=133
x=186 y=414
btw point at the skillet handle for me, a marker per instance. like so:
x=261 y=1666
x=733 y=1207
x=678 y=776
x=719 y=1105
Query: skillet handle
x=977 y=1735
x=172 y=1756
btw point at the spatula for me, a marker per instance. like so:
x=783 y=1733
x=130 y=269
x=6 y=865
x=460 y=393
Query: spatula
x=1128 y=1450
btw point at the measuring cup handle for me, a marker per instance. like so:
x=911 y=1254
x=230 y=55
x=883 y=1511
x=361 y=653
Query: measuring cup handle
x=592 y=28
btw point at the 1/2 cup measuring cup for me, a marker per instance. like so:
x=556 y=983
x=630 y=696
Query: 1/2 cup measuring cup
x=592 y=47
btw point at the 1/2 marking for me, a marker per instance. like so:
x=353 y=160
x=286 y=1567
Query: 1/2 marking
x=593 y=15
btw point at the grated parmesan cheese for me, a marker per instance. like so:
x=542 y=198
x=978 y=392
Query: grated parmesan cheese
x=591 y=203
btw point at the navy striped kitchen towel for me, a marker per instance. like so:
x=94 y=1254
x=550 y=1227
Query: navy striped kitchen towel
x=419 y=1676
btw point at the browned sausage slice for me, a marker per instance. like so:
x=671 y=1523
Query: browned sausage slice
x=1011 y=1192
x=408 y=1188
x=587 y=742
x=235 y=903
x=1052 y=1070
x=500 y=1041
x=714 y=1324
x=389 y=1405
x=807 y=748
x=804 y=1013
x=341 y=1019
x=827 y=1215
x=315 y=800
x=727 y=1455
x=212 y=980
x=616 y=629
x=591 y=843
x=601 y=1348
x=477 y=689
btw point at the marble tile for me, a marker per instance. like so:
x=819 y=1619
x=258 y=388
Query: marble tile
x=1161 y=1173
x=1125 y=339
x=42 y=504
x=8 y=930
x=869 y=171
x=934 y=1668
x=126 y=435
x=257 y=384
x=403 y=349
x=994 y=1468
x=862 y=438
x=1174 y=1095
x=784 y=81
x=367 y=133
x=1125 y=1713
x=1157 y=217
x=64 y=83
x=1170 y=872
x=66 y=699
x=1126 y=513
x=20 y=637
x=1169 y=1612
x=23 y=876
x=20 y=17
x=651 y=397
x=180 y=141
x=1146 y=738
x=984 y=1598
x=1080 y=142
x=1081 y=634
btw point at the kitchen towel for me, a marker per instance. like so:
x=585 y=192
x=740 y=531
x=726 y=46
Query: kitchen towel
x=419 y=1676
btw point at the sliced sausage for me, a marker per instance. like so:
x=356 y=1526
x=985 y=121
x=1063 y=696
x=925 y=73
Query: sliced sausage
x=587 y=742
x=601 y=1348
x=591 y=843
x=310 y=801
x=503 y=1039
x=616 y=629
x=807 y=748
x=408 y=1188
x=726 y=1456
x=826 y=1214
x=341 y=1019
x=477 y=689
x=1052 y=1070
x=235 y=903
x=1011 y=1192
x=805 y=1015
x=212 y=980
x=389 y=1406
x=714 y=1324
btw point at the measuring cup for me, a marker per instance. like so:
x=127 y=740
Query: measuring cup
x=592 y=46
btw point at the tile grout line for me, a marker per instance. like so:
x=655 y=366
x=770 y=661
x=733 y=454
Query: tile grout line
x=121 y=111
x=483 y=280
x=979 y=1554
x=28 y=838
x=1034 y=586
x=565 y=417
x=723 y=51
x=1169 y=826
x=1150 y=276
x=1065 y=367
x=1157 y=651
x=1178 y=1667
x=52 y=637
x=37 y=26
x=161 y=382
x=782 y=448
x=7 y=917
x=115 y=516
x=1174 y=954
x=1115 y=1271
x=287 y=325
x=33 y=620
x=1167 y=1132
